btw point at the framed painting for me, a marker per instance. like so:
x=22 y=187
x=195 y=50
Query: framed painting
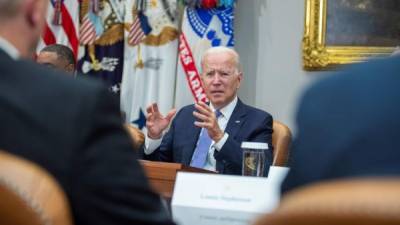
x=339 y=32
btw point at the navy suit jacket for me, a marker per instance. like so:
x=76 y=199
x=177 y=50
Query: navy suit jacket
x=349 y=125
x=246 y=124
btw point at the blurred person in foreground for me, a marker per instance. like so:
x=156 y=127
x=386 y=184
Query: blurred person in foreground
x=209 y=136
x=349 y=126
x=70 y=127
x=59 y=57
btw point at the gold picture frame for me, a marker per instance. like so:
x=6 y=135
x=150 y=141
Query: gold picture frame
x=317 y=55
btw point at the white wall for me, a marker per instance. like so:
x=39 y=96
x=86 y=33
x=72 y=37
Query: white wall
x=268 y=38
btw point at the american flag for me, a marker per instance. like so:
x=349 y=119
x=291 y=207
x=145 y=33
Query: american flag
x=91 y=25
x=87 y=31
x=139 y=29
x=136 y=33
x=62 y=25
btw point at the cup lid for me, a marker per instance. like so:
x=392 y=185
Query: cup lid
x=255 y=145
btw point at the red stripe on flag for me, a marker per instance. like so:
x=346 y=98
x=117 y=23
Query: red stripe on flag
x=48 y=36
x=87 y=32
x=136 y=34
x=69 y=28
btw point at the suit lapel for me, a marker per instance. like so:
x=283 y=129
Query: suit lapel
x=238 y=117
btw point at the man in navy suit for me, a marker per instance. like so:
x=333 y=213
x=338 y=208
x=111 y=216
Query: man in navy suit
x=349 y=126
x=209 y=135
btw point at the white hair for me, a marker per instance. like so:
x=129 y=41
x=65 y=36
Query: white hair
x=223 y=49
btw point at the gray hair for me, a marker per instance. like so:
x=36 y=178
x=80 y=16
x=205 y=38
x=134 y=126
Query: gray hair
x=9 y=8
x=223 y=49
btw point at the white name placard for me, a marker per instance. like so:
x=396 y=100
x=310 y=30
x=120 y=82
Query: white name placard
x=277 y=174
x=201 y=216
x=225 y=192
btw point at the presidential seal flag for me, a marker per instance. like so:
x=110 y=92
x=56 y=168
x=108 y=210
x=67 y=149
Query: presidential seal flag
x=102 y=38
x=151 y=46
x=62 y=25
x=202 y=28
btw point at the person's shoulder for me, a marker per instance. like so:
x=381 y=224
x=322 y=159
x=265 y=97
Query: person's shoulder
x=388 y=65
x=185 y=112
x=359 y=75
x=187 y=108
x=256 y=112
x=66 y=95
x=57 y=82
x=351 y=82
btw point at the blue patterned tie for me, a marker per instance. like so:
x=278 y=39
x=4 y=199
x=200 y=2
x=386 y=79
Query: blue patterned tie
x=200 y=153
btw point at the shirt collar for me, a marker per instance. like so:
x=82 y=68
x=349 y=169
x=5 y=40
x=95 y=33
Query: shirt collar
x=9 y=49
x=228 y=109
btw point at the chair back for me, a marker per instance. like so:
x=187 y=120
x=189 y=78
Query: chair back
x=136 y=135
x=281 y=140
x=368 y=201
x=29 y=195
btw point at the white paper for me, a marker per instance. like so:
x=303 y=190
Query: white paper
x=241 y=199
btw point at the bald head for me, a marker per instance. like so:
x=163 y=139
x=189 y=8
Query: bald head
x=22 y=23
x=9 y=8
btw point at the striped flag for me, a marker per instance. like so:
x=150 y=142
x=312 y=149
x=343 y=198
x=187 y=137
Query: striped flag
x=149 y=67
x=91 y=28
x=87 y=31
x=139 y=29
x=136 y=33
x=62 y=25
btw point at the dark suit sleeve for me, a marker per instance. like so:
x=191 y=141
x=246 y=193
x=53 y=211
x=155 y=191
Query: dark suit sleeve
x=231 y=154
x=108 y=184
x=164 y=151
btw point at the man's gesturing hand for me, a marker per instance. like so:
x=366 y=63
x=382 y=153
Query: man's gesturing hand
x=208 y=120
x=157 y=123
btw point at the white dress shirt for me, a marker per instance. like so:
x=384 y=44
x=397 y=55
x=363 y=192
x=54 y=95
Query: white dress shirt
x=8 y=48
x=226 y=112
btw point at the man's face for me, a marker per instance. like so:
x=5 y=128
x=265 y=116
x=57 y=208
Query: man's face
x=220 y=78
x=51 y=59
